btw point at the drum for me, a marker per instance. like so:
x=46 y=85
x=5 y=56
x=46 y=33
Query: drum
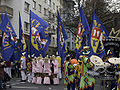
x=96 y=60
x=114 y=60
x=99 y=69
x=93 y=73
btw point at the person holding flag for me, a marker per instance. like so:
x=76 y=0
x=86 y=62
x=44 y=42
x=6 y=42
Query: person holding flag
x=83 y=29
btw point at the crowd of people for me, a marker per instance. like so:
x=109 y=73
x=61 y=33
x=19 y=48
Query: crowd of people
x=75 y=73
x=39 y=70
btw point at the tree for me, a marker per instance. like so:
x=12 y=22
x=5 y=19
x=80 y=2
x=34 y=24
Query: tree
x=103 y=9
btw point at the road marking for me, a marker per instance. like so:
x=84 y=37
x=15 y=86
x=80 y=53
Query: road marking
x=24 y=87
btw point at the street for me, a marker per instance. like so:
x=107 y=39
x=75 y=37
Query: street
x=17 y=85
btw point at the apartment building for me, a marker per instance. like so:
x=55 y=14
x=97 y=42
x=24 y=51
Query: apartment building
x=46 y=9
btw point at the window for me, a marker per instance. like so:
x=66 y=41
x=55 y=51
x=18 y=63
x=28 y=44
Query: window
x=53 y=40
x=45 y=1
x=53 y=5
x=26 y=7
x=49 y=14
x=49 y=3
x=34 y=4
x=39 y=8
x=53 y=28
x=26 y=27
x=45 y=11
x=68 y=44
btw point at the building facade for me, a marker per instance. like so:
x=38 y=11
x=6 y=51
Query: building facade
x=45 y=9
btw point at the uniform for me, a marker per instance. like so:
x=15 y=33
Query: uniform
x=23 y=68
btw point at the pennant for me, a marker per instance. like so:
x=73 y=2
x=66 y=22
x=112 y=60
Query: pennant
x=83 y=29
x=61 y=37
x=23 y=45
x=37 y=35
x=97 y=33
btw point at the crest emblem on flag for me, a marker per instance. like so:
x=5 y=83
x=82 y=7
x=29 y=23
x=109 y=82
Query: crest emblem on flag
x=5 y=42
x=34 y=39
x=61 y=39
x=95 y=38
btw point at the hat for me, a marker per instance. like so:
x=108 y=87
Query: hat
x=46 y=59
x=86 y=50
x=32 y=55
x=110 y=52
x=53 y=57
x=23 y=53
x=86 y=47
x=80 y=56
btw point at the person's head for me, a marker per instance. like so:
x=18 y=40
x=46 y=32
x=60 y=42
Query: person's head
x=81 y=57
x=46 y=59
x=53 y=57
x=68 y=58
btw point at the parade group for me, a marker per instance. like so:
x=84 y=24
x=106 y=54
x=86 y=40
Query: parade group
x=48 y=70
x=41 y=69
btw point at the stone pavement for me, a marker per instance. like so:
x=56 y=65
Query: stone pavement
x=17 y=85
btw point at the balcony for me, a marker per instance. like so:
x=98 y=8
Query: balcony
x=8 y=9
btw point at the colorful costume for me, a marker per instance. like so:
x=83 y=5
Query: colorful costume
x=59 y=61
x=56 y=71
x=39 y=70
x=69 y=76
x=29 y=71
x=47 y=71
x=34 y=80
x=83 y=80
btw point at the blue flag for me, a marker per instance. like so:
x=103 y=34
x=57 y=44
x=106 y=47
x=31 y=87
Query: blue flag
x=8 y=38
x=83 y=29
x=97 y=33
x=23 y=46
x=7 y=49
x=44 y=42
x=61 y=37
x=16 y=54
x=37 y=33
x=7 y=27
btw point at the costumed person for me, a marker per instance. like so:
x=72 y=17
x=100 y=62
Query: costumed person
x=29 y=69
x=56 y=70
x=47 y=70
x=7 y=68
x=39 y=69
x=85 y=82
x=34 y=66
x=23 y=67
x=60 y=72
x=1 y=72
x=69 y=74
x=111 y=84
